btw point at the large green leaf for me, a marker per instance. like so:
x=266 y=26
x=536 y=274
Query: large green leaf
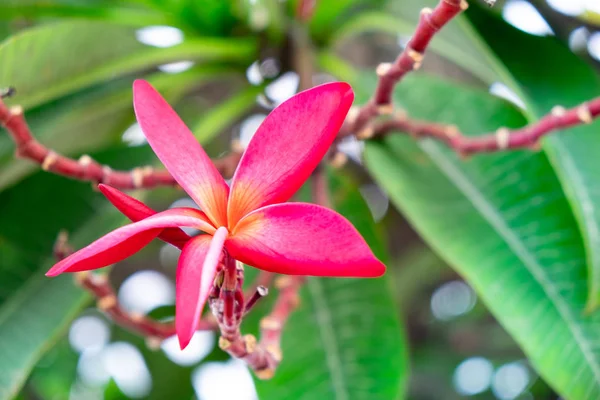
x=125 y=15
x=345 y=340
x=503 y=221
x=92 y=120
x=546 y=73
x=53 y=60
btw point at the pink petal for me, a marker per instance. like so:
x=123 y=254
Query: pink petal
x=135 y=210
x=127 y=240
x=287 y=147
x=180 y=152
x=195 y=276
x=302 y=239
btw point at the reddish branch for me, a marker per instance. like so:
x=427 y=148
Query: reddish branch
x=106 y=300
x=228 y=306
x=503 y=139
x=430 y=22
x=86 y=168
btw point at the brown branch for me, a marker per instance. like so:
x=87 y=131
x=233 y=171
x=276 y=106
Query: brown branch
x=85 y=168
x=106 y=299
x=503 y=139
x=430 y=22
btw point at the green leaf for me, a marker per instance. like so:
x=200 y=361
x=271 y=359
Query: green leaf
x=53 y=60
x=345 y=340
x=574 y=152
x=503 y=222
x=94 y=119
x=130 y=16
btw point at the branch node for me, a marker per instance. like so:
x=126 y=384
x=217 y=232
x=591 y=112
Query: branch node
x=283 y=282
x=50 y=159
x=224 y=344
x=352 y=115
x=584 y=114
x=250 y=343
x=136 y=317
x=265 y=374
x=270 y=324
x=452 y=131
x=106 y=172
x=366 y=133
x=107 y=302
x=426 y=11
x=502 y=138
x=275 y=351
x=137 y=177
x=383 y=68
x=85 y=160
x=81 y=277
x=385 y=109
x=415 y=56
x=558 y=111
x=338 y=160
x=153 y=343
x=16 y=111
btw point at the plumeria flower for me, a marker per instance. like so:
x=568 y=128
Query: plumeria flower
x=249 y=220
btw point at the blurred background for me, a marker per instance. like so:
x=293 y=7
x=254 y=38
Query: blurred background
x=224 y=65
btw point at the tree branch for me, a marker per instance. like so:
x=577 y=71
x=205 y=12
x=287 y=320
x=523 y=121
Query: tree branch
x=410 y=59
x=503 y=139
x=85 y=168
x=106 y=300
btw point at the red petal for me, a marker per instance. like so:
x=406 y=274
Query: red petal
x=287 y=147
x=195 y=276
x=127 y=240
x=180 y=152
x=135 y=210
x=302 y=239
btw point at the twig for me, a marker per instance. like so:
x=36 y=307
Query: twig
x=503 y=139
x=259 y=293
x=86 y=168
x=227 y=304
x=106 y=299
x=430 y=22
